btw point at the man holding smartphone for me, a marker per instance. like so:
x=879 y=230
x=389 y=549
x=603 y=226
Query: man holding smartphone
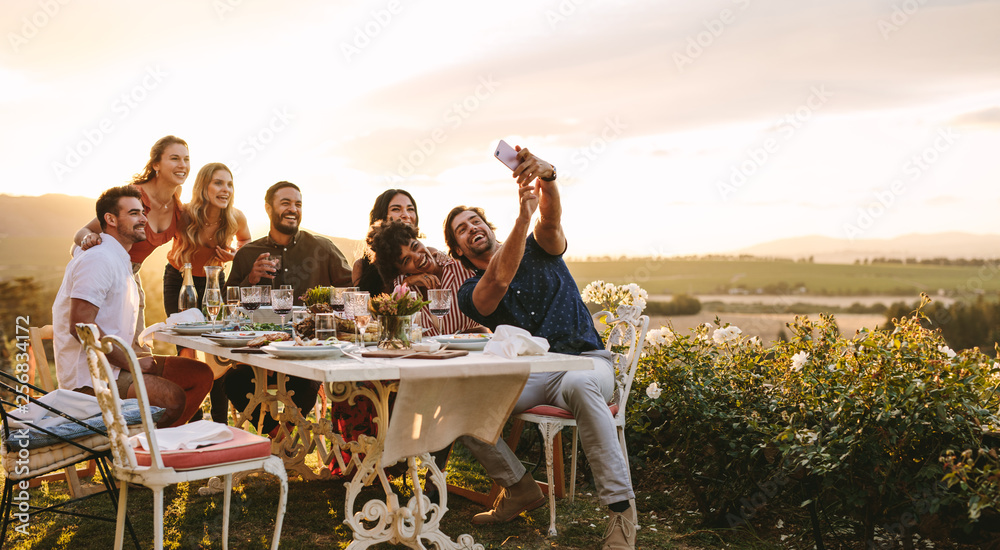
x=526 y=283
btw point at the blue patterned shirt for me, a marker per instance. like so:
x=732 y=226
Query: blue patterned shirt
x=543 y=299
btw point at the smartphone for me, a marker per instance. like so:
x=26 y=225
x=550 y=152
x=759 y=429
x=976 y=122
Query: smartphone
x=506 y=154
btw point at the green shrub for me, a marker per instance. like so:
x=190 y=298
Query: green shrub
x=850 y=428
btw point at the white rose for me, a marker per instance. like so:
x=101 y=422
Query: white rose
x=798 y=360
x=653 y=391
x=947 y=351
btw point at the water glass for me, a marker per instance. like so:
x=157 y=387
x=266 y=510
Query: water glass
x=326 y=326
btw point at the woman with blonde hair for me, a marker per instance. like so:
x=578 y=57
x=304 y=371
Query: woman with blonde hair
x=205 y=233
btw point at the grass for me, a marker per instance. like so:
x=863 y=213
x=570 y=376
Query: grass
x=315 y=514
x=314 y=519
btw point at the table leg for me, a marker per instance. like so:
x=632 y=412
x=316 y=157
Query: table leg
x=413 y=524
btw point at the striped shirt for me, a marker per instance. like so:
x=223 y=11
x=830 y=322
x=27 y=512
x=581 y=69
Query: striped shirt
x=453 y=274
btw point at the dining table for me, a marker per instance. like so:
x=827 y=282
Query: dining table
x=435 y=400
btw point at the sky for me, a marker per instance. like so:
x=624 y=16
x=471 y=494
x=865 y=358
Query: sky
x=677 y=127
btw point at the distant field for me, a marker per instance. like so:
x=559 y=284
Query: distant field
x=718 y=276
x=45 y=258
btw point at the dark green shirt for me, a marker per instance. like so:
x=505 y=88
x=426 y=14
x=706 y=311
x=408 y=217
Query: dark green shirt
x=308 y=261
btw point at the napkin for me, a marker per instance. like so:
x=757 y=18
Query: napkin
x=510 y=341
x=76 y=404
x=187 y=436
x=192 y=315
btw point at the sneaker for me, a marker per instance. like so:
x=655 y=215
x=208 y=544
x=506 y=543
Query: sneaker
x=522 y=496
x=621 y=532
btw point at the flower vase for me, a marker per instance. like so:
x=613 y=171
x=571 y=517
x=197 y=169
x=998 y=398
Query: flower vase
x=394 y=331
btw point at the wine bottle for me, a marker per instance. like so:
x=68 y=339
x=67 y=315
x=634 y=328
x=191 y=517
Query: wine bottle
x=189 y=295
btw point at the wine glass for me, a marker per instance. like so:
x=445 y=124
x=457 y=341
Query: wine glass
x=232 y=302
x=440 y=304
x=276 y=264
x=213 y=303
x=338 y=297
x=250 y=299
x=281 y=302
x=359 y=307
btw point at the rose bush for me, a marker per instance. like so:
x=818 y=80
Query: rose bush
x=853 y=429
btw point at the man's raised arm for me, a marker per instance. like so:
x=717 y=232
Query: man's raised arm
x=548 y=230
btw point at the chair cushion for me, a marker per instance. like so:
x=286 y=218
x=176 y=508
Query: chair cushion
x=243 y=446
x=54 y=457
x=71 y=430
x=549 y=410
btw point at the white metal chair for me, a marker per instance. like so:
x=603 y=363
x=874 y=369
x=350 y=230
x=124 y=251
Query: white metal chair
x=156 y=469
x=625 y=342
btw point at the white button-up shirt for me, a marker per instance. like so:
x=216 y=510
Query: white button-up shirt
x=102 y=276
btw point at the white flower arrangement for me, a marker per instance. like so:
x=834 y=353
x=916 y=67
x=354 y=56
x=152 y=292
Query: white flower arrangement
x=609 y=296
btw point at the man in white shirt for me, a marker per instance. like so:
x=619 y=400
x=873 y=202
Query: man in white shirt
x=98 y=288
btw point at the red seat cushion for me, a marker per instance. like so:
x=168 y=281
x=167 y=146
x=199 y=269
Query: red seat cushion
x=549 y=410
x=243 y=446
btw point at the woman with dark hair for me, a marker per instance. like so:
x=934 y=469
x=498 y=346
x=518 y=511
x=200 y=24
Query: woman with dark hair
x=392 y=205
x=207 y=228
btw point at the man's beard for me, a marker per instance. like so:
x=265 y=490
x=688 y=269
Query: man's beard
x=282 y=228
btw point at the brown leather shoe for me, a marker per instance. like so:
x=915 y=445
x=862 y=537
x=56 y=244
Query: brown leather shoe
x=621 y=532
x=522 y=496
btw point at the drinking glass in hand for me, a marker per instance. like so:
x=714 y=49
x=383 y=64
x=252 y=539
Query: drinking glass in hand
x=359 y=306
x=275 y=266
x=440 y=303
x=281 y=302
x=213 y=303
x=250 y=299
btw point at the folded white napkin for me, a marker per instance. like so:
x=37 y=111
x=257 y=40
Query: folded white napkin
x=187 y=436
x=193 y=315
x=510 y=341
x=76 y=404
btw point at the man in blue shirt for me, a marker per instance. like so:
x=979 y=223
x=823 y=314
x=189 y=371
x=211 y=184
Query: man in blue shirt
x=525 y=282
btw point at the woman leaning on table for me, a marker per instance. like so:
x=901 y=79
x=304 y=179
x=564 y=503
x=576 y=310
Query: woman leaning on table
x=392 y=205
x=402 y=258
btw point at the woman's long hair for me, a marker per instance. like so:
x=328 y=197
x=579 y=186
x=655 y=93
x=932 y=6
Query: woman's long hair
x=156 y=155
x=196 y=210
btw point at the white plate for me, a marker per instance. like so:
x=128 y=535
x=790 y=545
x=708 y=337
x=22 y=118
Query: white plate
x=463 y=341
x=288 y=350
x=234 y=339
x=192 y=329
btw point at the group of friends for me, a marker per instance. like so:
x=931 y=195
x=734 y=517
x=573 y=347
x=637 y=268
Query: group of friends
x=521 y=281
